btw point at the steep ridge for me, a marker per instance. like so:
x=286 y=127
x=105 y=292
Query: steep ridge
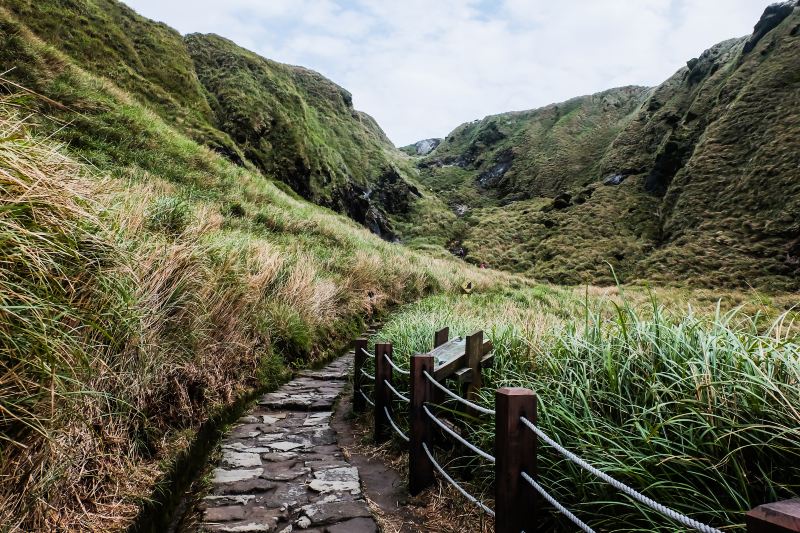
x=290 y=122
x=301 y=128
x=695 y=180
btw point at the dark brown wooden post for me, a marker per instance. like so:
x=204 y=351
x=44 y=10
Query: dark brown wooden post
x=420 y=468
x=474 y=351
x=383 y=373
x=777 y=517
x=441 y=337
x=359 y=405
x=515 y=452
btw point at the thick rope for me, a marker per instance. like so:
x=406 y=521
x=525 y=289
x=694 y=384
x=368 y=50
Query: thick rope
x=366 y=375
x=396 y=368
x=366 y=398
x=457 y=397
x=394 y=426
x=641 y=498
x=366 y=353
x=458 y=437
x=560 y=508
x=396 y=392
x=458 y=487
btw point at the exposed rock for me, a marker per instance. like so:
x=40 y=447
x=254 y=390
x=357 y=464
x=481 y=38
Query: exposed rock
x=230 y=476
x=426 y=146
x=772 y=16
x=492 y=176
x=614 y=179
x=562 y=201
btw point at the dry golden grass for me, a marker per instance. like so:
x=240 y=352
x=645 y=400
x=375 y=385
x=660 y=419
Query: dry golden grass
x=130 y=312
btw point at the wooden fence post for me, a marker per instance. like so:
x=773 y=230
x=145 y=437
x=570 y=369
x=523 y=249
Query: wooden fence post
x=383 y=373
x=420 y=468
x=515 y=452
x=474 y=352
x=776 y=517
x=441 y=337
x=359 y=358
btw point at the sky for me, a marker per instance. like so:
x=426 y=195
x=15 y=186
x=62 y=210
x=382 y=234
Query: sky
x=422 y=67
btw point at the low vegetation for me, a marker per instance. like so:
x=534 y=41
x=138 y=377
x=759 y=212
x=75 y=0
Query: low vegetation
x=694 y=407
x=133 y=308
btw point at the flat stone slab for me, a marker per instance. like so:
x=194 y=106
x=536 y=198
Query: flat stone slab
x=281 y=469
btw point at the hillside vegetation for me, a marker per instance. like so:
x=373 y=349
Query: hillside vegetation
x=147 y=280
x=697 y=410
x=693 y=181
x=289 y=122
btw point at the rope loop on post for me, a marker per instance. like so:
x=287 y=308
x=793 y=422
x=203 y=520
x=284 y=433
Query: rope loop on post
x=395 y=367
x=366 y=398
x=560 y=508
x=396 y=392
x=394 y=426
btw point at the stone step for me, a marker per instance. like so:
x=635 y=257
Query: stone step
x=281 y=469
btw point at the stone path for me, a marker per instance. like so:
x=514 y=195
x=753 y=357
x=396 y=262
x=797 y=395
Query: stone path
x=282 y=469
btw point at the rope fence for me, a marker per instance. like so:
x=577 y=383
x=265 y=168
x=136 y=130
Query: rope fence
x=458 y=437
x=397 y=393
x=366 y=398
x=560 y=508
x=641 y=498
x=458 y=398
x=516 y=435
x=455 y=484
x=394 y=425
x=395 y=367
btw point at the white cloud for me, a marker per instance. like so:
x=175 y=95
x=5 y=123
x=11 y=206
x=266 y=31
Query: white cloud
x=422 y=67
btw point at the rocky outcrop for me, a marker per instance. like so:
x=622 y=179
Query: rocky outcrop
x=773 y=15
x=426 y=146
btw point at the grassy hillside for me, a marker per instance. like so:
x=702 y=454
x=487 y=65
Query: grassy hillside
x=694 y=181
x=147 y=281
x=291 y=123
x=300 y=127
x=525 y=154
x=134 y=307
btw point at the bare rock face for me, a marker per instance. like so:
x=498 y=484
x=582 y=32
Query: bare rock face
x=773 y=15
x=426 y=146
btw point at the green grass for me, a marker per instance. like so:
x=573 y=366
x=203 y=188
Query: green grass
x=139 y=302
x=695 y=409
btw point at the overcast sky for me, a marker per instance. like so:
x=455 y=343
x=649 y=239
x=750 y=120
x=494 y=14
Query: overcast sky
x=422 y=67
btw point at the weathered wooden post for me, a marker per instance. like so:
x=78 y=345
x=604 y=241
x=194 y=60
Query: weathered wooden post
x=515 y=452
x=474 y=353
x=441 y=337
x=359 y=358
x=383 y=373
x=420 y=468
x=776 y=517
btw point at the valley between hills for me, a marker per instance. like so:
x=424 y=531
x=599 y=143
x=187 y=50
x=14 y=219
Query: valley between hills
x=183 y=223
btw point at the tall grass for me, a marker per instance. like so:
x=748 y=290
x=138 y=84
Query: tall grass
x=698 y=410
x=131 y=308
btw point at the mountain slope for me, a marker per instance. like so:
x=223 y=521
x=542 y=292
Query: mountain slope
x=695 y=180
x=301 y=128
x=291 y=123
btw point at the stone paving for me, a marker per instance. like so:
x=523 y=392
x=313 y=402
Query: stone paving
x=282 y=469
